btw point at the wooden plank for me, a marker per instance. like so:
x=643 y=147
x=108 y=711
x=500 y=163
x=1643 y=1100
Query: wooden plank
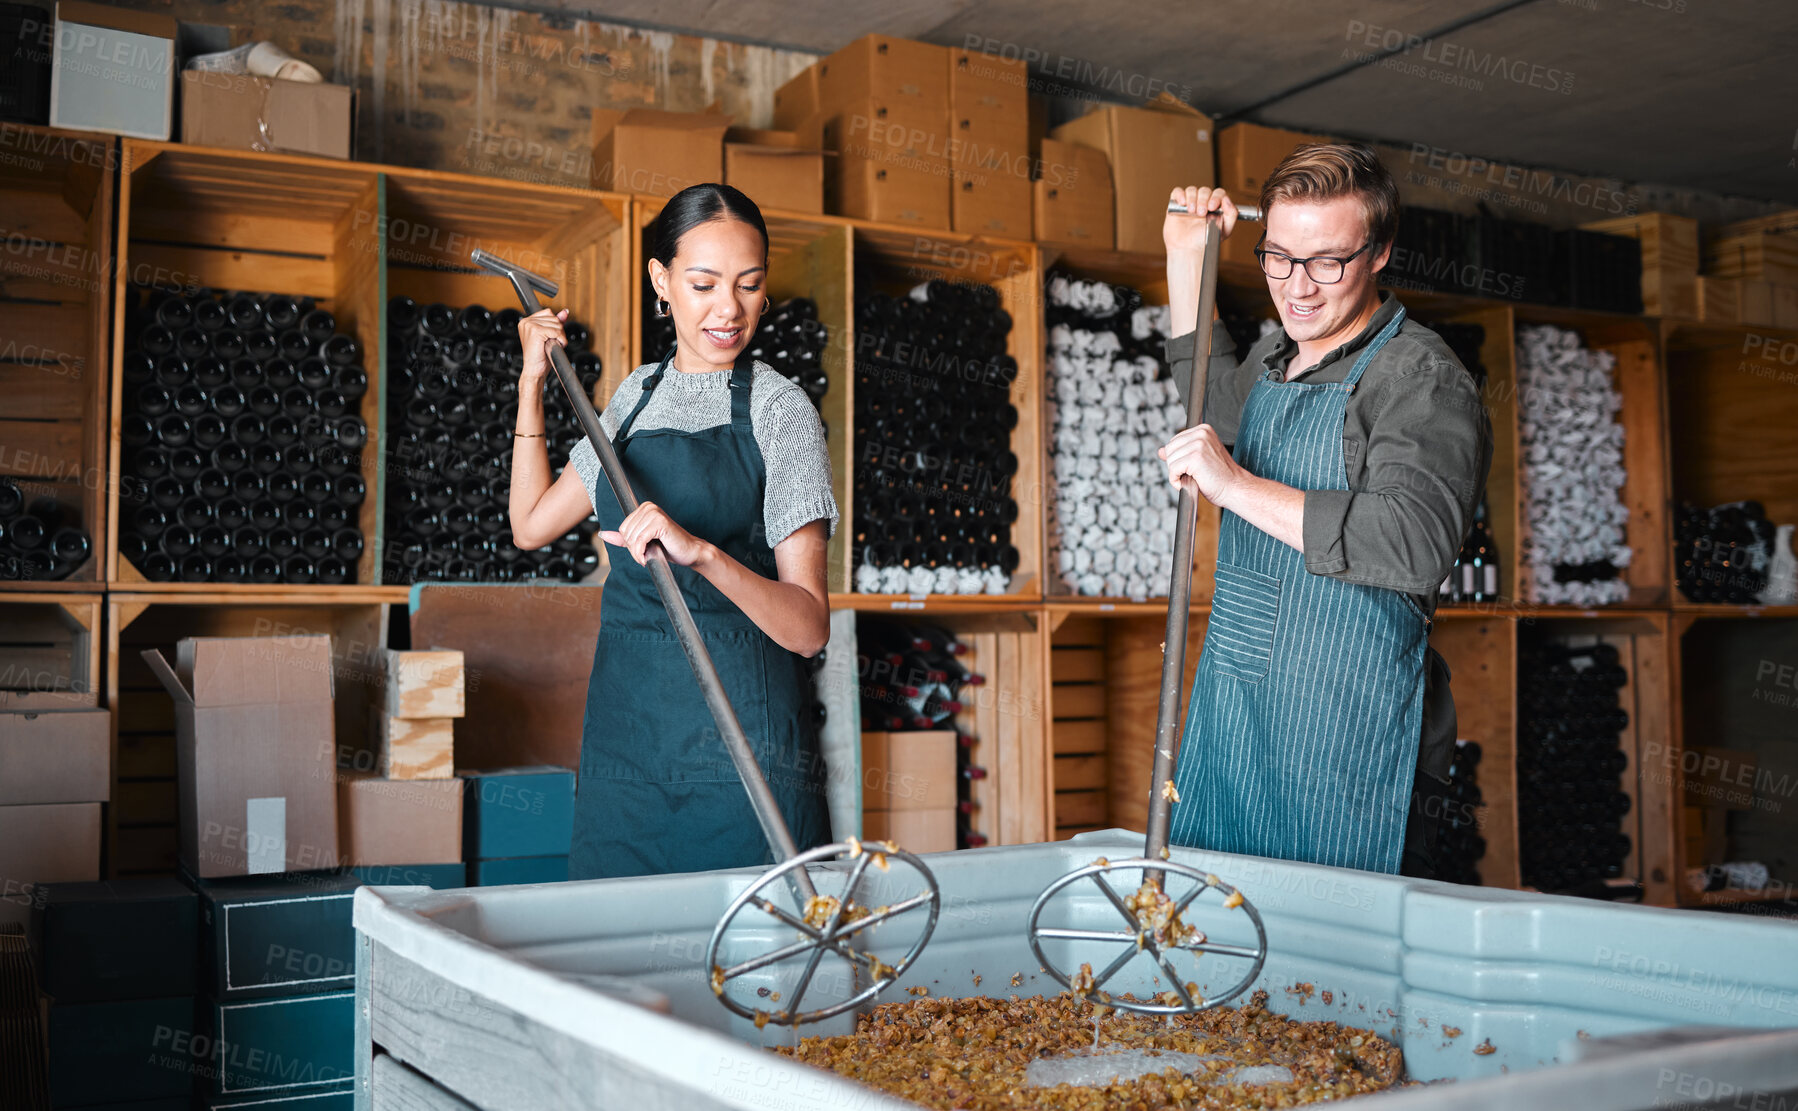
x=495 y=1057
x=1659 y=804
x=146 y=756
x=144 y=851
x=40 y=391
x=398 y=1088
x=231 y=229
x=1081 y=630
x=1020 y=816
x=416 y=748
x=146 y=802
x=1731 y=423
x=1037 y=787
x=42 y=449
x=300 y=275
x=1629 y=742
x=1080 y=773
x=1134 y=663
x=1074 y=738
x=979 y=719
x=1080 y=808
x=1079 y=700
x=1062 y=833
x=1645 y=494
x=1482 y=660
x=424 y=683
x=1077 y=665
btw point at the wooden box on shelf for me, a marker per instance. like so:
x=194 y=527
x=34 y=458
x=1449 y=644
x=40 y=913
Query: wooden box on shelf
x=49 y=651
x=193 y=218
x=55 y=305
x=1481 y=652
x=1669 y=260
x=141 y=823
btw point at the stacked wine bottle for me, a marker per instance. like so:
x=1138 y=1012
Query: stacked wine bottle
x=452 y=396
x=790 y=339
x=1459 y=845
x=40 y=540
x=1569 y=804
x=242 y=439
x=1474 y=577
x=912 y=677
x=933 y=424
x=1721 y=554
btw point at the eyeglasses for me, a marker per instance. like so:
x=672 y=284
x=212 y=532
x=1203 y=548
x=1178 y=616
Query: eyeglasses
x=1322 y=269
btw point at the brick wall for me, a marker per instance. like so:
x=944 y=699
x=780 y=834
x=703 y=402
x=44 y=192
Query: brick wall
x=493 y=91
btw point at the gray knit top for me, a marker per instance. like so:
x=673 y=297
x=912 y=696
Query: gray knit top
x=786 y=428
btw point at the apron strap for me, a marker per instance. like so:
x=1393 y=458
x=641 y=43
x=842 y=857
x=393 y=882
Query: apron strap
x=649 y=385
x=742 y=377
x=1373 y=348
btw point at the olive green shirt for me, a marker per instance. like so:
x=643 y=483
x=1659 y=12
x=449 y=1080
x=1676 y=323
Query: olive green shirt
x=1416 y=446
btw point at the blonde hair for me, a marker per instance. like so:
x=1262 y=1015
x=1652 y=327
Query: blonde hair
x=1325 y=171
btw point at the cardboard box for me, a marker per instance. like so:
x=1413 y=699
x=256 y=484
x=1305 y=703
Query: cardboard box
x=774 y=170
x=1669 y=260
x=254 y=753
x=517 y=812
x=645 y=150
x=439 y=876
x=415 y=748
x=518 y=869
x=307 y=1040
x=1074 y=201
x=1757 y=302
x=986 y=202
x=1768 y=255
x=281 y=936
x=899 y=71
x=1152 y=150
x=1719 y=300
x=909 y=770
x=118 y=939
x=1247 y=154
x=112 y=1052
x=55 y=756
x=1785 y=307
x=425 y=684
x=798 y=100
x=892 y=166
x=399 y=821
x=114 y=70
x=989 y=111
x=264 y=113
x=915 y=831
x=54 y=843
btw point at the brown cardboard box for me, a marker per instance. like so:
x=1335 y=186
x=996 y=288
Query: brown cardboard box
x=915 y=831
x=989 y=202
x=797 y=100
x=880 y=67
x=55 y=756
x=265 y=113
x=57 y=843
x=892 y=165
x=424 y=684
x=1669 y=260
x=774 y=170
x=1768 y=255
x=645 y=150
x=415 y=748
x=1152 y=150
x=909 y=770
x=1247 y=153
x=399 y=821
x=989 y=112
x=1074 y=196
x=1719 y=300
x=1757 y=302
x=1785 y=307
x=254 y=753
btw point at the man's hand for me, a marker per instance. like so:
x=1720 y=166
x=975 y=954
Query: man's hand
x=1197 y=460
x=1185 y=231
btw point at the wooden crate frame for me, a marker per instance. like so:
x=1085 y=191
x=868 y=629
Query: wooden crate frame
x=1481 y=653
x=141 y=835
x=245 y=220
x=50 y=651
x=55 y=310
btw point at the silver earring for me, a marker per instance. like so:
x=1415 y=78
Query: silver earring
x=661 y=306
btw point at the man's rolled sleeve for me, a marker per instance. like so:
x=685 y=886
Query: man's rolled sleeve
x=1426 y=461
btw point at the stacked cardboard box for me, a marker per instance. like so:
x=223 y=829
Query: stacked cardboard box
x=1247 y=155
x=1151 y=149
x=1074 y=201
x=54 y=774
x=989 y=122
x=775 y=169
x=518 y=825
x=116 y=960
x=908 y=789
x=646 y=150
x=1758 y=260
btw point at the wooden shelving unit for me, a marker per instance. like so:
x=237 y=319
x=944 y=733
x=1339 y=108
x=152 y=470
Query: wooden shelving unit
x=1704 y=422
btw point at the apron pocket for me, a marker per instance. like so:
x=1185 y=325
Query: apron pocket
x=1244 y=611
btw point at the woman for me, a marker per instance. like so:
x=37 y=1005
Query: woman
x=729 y=461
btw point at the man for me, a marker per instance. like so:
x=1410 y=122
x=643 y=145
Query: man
x=1347 y=452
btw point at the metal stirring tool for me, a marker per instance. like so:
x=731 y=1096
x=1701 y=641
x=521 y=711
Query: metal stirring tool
x=825 y=923
x=1151 y=914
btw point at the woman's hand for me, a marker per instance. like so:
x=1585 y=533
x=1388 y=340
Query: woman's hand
x=1197 y=460
x=537 y=332
x=651 y=522
x=1185 y=231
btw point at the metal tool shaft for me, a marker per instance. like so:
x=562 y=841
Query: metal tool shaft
x=767 y=811
x=1170 y=714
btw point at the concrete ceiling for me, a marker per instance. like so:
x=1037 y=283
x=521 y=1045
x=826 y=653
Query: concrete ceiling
x=1700 y=94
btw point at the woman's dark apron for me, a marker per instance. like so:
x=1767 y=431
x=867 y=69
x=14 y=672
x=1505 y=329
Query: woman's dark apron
x=658 y=792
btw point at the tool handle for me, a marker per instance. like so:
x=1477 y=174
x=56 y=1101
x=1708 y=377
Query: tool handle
x=1169 y=716
x=686 y=630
